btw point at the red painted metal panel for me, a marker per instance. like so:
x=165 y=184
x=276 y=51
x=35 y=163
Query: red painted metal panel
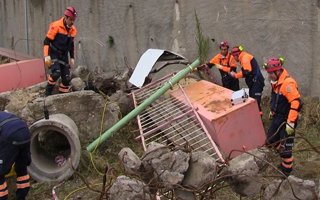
x=237 y=127
x=21 y=74
x=14 y=55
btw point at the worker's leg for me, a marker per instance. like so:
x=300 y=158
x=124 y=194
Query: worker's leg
x=234 y=85
x=286 y=153
x=23 y=160
x=225 y=83
x=230 y=83
x=273 y=135
x=286 y=165
x=7 y=154
x=3 y=188
x=256 y=91
x=53 y=76
x=65 y=79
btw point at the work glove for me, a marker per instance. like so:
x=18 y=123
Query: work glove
x=71 y=62
x=232 y=74
x=290 y=128
x=47 y=61
x=270 y=115
x=218 y=66
x=203 y=66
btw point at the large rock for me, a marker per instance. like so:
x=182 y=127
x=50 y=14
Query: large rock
x=202 y=170
x=244 y=172
x=130 y=161
x=126 y=188
x=291 y=188
x=77 y=84
x=15 y=101
x=85 y=108
x=124 y=101
x=154 y=150
x=170 y=167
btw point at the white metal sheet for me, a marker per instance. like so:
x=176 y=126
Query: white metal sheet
x=144 y=66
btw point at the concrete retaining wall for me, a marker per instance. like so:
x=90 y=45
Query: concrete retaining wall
x=274 y=27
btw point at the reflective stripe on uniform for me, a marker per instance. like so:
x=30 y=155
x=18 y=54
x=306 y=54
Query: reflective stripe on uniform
x=23 y=181
x=3 y=190
x=64 y=89
x=23 y=178
x=51 y=81
x=3 y=186
x=286 y=165
x=4 y=193
x=287 y=162
x=23 y=185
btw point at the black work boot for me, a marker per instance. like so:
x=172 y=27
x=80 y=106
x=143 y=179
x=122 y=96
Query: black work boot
x=284 y=170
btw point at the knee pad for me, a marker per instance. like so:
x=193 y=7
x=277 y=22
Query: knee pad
x=66 y=80
x=55 y=75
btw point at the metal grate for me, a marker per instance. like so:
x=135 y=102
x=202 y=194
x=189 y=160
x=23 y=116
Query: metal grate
x=172 y=121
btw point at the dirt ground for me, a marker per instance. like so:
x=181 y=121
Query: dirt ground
x=91 y=168
x=86 y=183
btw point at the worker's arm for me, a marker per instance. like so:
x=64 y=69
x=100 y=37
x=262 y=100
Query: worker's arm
x=246 y=67
x=71 y=52
x=52 y=32
x=46 y=44
x=290 y=91
x=216 y=61
x=232 y=65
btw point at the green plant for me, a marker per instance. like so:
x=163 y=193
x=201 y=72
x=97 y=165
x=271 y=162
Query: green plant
x=110 y=41
x=202 y=41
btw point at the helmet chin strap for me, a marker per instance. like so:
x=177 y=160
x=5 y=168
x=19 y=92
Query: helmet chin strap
x=273 y=82
x=66 y=24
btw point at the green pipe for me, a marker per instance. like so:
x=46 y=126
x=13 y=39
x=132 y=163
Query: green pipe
x=143 y=105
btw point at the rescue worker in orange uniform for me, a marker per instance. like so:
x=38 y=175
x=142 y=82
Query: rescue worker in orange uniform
x=15 y=148
x=285 y=108
x=250 y=70
x=58 y=45
x=225 y=62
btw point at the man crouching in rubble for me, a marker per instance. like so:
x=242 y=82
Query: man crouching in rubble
x=15 y=149
x=285 y=108
x=57 y=44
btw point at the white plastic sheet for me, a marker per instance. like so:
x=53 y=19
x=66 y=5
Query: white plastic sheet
x=144 y=66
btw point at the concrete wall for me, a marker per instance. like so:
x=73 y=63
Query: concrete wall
x=265 y=27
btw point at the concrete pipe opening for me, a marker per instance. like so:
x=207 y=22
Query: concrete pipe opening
x=55 y=148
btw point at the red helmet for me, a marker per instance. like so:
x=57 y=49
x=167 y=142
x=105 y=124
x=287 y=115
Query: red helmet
x=70 y=12
x=273 y=64
x=224 y=44
x=236 y=50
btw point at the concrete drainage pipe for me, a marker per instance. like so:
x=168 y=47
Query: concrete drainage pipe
x=55 y=148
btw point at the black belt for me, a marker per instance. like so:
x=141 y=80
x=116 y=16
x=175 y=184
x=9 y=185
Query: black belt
x=60 y=62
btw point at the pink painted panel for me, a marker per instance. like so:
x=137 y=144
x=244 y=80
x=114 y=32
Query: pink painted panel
x=21 y=74
x=237 y=127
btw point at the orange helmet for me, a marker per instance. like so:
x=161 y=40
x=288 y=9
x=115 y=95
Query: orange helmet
x=224 y=44
x=273 y=64
x=70 y=12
